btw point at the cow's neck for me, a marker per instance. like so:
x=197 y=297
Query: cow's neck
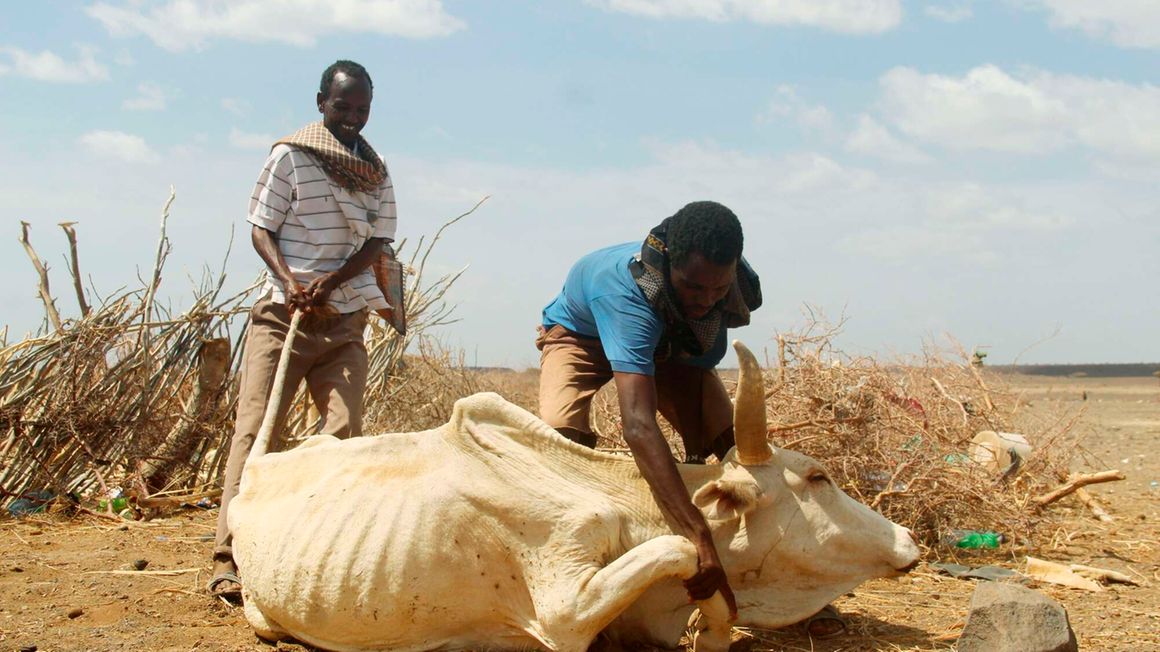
x=620 y=479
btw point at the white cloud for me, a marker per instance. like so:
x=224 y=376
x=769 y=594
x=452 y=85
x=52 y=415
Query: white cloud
x=872 y=139
x=236 y=106
x=118 y=145
x=786 y=103
x=1033 y=112
x=183 y=24
x=850 y=16
x=150 y=97
x=949 y=13
x=965 y=221
x=1127 y=23
x=49 y=66
x=243 y=140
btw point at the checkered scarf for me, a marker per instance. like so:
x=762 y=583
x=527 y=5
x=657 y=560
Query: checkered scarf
x=650 y=269
x=364 y=172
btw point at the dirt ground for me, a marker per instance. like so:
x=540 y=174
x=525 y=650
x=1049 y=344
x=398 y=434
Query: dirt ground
x=71 y=584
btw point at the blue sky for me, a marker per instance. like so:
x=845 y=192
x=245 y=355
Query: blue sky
x=983 y=170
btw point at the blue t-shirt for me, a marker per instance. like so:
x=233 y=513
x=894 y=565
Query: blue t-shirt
x=601 y=299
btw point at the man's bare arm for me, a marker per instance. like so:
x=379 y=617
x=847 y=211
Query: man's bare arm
x=267 y=247
x=638 y=405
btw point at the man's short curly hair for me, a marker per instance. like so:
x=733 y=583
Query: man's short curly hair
x=705 y=227
x=350 y=68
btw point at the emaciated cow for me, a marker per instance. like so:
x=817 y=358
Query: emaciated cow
x=494 y=532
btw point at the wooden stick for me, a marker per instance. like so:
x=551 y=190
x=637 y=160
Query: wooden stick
x=942 y=390
x=1097 y=511
x=1075 y=482
x=983 y=386
x=155 y=573
x=1103 y=574
x=1087 y=499
x=74 y=267
x=42 y=272
x=781 y=358
x=790 y=426
x=155 y=280
x=262 y=439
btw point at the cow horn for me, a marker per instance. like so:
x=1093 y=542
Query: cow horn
x=749 y=428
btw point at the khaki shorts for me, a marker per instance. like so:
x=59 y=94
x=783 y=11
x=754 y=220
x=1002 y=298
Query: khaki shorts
x=574 y=367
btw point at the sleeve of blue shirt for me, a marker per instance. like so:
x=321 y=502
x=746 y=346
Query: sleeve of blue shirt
x=629 y=331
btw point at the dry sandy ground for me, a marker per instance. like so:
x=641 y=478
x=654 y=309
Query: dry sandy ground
x=68 y=585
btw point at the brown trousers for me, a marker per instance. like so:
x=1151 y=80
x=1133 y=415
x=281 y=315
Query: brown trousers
x=573 y=368
x=330 y=356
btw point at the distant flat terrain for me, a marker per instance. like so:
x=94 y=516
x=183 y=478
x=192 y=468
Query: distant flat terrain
x=1111 y=370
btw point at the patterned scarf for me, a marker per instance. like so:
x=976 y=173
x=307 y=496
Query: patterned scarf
x=693 y=337
x=364 y=172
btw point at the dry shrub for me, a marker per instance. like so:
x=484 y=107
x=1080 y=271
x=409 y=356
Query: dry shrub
x=896 y=435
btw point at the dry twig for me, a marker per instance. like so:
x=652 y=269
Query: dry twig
x=1076 y=482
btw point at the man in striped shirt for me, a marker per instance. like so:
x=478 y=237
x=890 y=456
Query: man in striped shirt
x=321 y=212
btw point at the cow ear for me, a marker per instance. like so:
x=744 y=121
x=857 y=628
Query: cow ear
x=727 y=499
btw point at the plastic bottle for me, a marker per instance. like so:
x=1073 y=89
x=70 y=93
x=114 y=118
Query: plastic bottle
x=117 y=497
x=974 y=539
x=119 y=504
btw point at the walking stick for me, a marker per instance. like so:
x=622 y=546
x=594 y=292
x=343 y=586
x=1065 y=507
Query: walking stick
x=262 y=441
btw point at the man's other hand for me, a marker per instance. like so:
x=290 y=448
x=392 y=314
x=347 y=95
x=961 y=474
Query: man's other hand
x=318 y=291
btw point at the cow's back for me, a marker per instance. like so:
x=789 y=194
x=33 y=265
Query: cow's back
x=380 y=541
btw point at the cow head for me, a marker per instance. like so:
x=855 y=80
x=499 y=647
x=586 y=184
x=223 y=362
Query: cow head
x=790 y=539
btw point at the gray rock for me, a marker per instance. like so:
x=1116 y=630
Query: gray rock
x=1011 y=618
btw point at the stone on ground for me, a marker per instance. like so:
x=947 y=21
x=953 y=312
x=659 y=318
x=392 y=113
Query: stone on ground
x=1011 y=618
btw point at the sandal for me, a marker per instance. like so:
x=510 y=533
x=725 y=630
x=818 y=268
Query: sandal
x=227 y=586
x=826 y=623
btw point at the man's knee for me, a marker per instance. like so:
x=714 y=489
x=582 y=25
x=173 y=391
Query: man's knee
x=723 y=443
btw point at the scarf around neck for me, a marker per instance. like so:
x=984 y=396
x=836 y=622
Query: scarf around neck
x=650 y=269
x=364 y=172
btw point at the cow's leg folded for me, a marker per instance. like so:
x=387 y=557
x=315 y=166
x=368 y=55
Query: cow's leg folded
x=263 y=628
x=610 y=590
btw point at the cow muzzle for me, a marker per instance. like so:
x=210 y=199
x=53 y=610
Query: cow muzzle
x=912 y=543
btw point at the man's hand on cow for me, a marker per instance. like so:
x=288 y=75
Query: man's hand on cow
x=710 y=578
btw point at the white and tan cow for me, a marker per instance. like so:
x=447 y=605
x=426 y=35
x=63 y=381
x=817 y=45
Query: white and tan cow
x=494 y=532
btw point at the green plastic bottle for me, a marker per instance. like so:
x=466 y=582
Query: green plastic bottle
x=973 y=539
x=119 y=504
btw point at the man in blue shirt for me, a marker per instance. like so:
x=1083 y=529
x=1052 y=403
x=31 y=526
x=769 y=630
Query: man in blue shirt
x=653 y=318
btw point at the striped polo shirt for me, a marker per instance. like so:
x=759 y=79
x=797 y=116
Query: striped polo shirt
x=319 y=225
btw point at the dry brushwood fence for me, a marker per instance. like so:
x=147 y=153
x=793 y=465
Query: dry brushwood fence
x=131 y=395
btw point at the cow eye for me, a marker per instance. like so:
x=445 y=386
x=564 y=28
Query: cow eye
x=818 y=476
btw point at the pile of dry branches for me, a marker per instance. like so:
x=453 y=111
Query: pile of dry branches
x=132 y=394
x=897 y=436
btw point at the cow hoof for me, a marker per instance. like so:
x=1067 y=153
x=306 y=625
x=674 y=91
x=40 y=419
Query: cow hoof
x=711 y=640
x=263 y=628
x=711 y=629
